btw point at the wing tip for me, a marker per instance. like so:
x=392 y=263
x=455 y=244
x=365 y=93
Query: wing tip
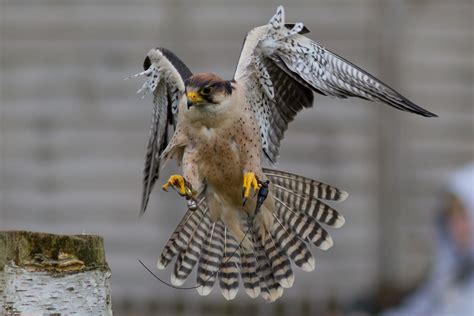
x=143 y=207
x=428 y=114
x=416 y=109
x=141 y=211
x=280 y=9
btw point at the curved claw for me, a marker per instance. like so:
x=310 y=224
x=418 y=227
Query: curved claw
x=180 y=184
x=184 y=188
x=250 y=182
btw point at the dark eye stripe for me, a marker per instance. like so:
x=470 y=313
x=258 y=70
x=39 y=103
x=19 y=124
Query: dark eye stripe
x=208 y=98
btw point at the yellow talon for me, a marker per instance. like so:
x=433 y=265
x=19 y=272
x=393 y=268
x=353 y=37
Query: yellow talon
x=250 y=181
x=178 y=182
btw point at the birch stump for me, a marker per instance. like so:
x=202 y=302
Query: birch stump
x=46 y=274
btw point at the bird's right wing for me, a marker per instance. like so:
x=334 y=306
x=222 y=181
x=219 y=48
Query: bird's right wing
x=166 y=74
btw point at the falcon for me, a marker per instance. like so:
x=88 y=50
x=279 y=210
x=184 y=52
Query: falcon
x=221 y=132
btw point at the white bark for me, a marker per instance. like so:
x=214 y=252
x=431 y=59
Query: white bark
x=39 y=293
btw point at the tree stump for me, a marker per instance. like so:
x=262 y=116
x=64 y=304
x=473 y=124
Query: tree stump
x=47 y=274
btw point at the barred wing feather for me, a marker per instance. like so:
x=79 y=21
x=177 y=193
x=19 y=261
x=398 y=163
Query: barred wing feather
x=280 y=69
x=166 y=74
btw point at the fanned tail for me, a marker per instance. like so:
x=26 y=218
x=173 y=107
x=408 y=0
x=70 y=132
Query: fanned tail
x=278 y=236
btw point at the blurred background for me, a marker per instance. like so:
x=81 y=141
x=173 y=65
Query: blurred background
x=73 y=135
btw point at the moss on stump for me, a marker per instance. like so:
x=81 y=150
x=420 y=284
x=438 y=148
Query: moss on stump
x=23 y=247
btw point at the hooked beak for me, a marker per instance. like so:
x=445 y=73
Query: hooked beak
x=190 y=104
x=193 y=98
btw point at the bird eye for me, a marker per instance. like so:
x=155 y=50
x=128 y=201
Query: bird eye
x=206 y=90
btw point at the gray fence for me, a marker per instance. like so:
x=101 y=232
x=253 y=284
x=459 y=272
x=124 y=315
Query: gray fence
x=73 y=133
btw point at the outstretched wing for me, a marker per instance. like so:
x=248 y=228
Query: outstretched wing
x=280 y=68
x=166 y=75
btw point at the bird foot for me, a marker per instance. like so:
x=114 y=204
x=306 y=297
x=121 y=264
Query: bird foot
x=181 y=186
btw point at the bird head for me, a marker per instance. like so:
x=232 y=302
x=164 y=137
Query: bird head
x=207 y=91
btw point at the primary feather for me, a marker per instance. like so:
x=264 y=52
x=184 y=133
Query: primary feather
x=281 y=68
x=166 y=75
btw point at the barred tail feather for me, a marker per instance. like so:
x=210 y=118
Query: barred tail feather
x=304 y=186
x=249 y=269
x=211 y=258
x=180 y=238
x=188 y=258
x=271 y=290
x=299 y=214
x=280 y=263
x=320 y=211
x=293 y=246
x=229 y=273
x=304 y=226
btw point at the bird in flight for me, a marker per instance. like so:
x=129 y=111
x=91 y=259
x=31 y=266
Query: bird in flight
x=221 y=132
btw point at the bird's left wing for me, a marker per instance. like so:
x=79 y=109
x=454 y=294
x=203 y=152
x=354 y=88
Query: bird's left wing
x=166 y=74
x=280 y=68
